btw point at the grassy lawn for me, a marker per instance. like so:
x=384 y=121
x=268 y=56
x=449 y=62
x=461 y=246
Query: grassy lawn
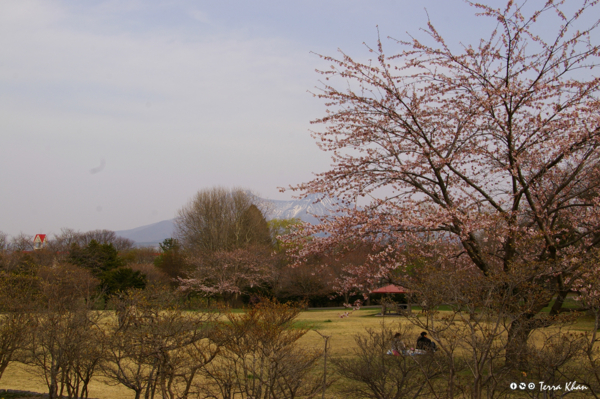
x=341 y=330
x=569 y=303
x=16 y=377
x=327 y=322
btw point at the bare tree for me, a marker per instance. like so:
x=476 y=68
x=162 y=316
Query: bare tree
x=65 y=349
x=261 y=358
x=66 y=343
x=371 y=373
x=153 y=274
x=157 y=348
x=67 y=285
x=63 y=241
x=141 y=255
x=305 y=282
x=106 y=237
x=18 y=296
x=4 y=243
x=220 y=219
x=21 y=242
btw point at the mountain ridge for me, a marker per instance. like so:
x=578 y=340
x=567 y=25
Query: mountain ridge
x=306 y=209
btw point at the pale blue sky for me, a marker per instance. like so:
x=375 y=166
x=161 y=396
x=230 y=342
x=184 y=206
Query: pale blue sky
x=114 y=113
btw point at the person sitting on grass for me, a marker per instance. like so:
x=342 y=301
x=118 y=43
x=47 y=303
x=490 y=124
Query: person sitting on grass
x=425 y=343
x=398 y=347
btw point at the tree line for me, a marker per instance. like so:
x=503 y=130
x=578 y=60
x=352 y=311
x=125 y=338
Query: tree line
x=223 y=249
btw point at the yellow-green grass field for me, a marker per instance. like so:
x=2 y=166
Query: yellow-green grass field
x=327 y=322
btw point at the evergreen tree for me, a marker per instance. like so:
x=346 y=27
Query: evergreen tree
x=121 y=279
x=98 y=258
x=255 y=229
x=171 y=261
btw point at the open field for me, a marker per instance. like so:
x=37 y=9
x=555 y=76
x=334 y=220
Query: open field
x=327 y=322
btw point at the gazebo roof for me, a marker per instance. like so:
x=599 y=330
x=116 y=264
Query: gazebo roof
x=390 y=289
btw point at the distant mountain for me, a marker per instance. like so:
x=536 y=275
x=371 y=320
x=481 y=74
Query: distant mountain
x=150 y=235
x=304 y=209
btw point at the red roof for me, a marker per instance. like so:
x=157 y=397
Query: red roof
x=390 y=289
x=42 y=238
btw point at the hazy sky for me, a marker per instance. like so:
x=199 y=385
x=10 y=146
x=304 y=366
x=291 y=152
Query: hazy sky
x=114 y=113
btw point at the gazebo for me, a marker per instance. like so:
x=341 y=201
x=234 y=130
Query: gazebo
x=391 y=289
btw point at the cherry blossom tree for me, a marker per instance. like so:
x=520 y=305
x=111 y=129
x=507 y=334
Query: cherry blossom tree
x=484 y=159
x=229 y=273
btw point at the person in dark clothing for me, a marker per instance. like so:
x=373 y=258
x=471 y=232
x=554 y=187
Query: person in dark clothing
x=425 y=343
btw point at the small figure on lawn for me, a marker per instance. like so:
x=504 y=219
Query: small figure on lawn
x=398 y=347
x=425 y=343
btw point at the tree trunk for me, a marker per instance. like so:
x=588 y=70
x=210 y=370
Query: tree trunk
x=53 y=388
x=560 y=298
x=516 y=346
x=4 y=364
x=558 y=303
